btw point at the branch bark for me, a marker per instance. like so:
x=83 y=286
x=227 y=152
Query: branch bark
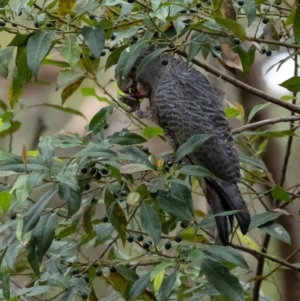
x=265 y=122
x=242 y=85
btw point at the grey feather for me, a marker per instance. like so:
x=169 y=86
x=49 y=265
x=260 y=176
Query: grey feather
x=183 y=103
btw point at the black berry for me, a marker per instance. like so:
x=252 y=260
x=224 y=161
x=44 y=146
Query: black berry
x=263 y=50
x=86 y=277
x=183 y=225
x=93 y=170
x=145 y=149
x=75 y=271
x=81 y=55
x=140 y=238
x=84 y=295
x=236 y=41
x=269 y=52
x=134 y=38
x=198 y=5
x=87 y=186
x=104 y=171
x=103 y=52
x=164 y=62
x=20 y=13
x=168 y=245
x=130 y=238
x=146 y=245
x=92 y=16
x=106 y=126
x=170 y=163
x=49 y=24
x=105 y=219
x=178 y=238
x=84 y=169
x=241 y=2
x=112 y=269
x=2 y=23
x=130 y=1
x=14 y=24
x=98 y=176
x=128 y=265
x=96 y=264
x=36 y=24
x=113 y=36
x=265 y=20
x=99 y=272
x=124 y=193
x=91 y=57
x=218 y=47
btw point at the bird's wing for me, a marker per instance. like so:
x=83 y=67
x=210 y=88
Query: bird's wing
x=186 y=105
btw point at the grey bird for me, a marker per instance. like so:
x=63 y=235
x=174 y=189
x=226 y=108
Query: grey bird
x=183 y=103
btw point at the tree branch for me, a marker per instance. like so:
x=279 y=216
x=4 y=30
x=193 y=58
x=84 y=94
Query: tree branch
x=242 y=85
x=265 y=122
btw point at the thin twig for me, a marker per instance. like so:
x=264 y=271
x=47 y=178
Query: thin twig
x=242 y=85
x=265 y=122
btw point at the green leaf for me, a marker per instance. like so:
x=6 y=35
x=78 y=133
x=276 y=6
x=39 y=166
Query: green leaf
x=147 y=60
x=68 y=140
x=196 y=255
x=296 y=26
x=25 y=184
x=128 y=58
x=70 y=89
x=277 y=231
x=5 y=201
x=256 y=109
x=258 y=220
x=167 y=287
x=5 y=281
x=133 y=153
x=6 y=55
x=71 y=196
x=196 y=171
x=134 y=167
x=126 y=138
x=44 y=234
x=231 y=112
x=183 y=192
x=279 y=194
x=252 y=161
x=250 y=9
x=116 y=215
x=152 y=131
x=66 y=77
x=16 y=164
x=159 y=268
x=270 y=33
x=227 y=253
x=191 y=145
x=70 y=50
x=100 y=119
x=33 y=215
x=131 y=31
x=247 y=57
x=293 y=83
x=172 y=205
x=91 y=92
x=5 y=121
x=150 y=222
x=114 y=56
x=233 y=26
x=104 y=231
x=94 y=38
x=37 y=48
x=60 y=108
x=32 y=256
x=139 y=286
x=46 y=150
x=127 y=273
x=221 y=279
x=56 y=63
x=94 y=150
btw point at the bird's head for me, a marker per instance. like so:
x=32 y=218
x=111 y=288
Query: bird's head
x=139 y=87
